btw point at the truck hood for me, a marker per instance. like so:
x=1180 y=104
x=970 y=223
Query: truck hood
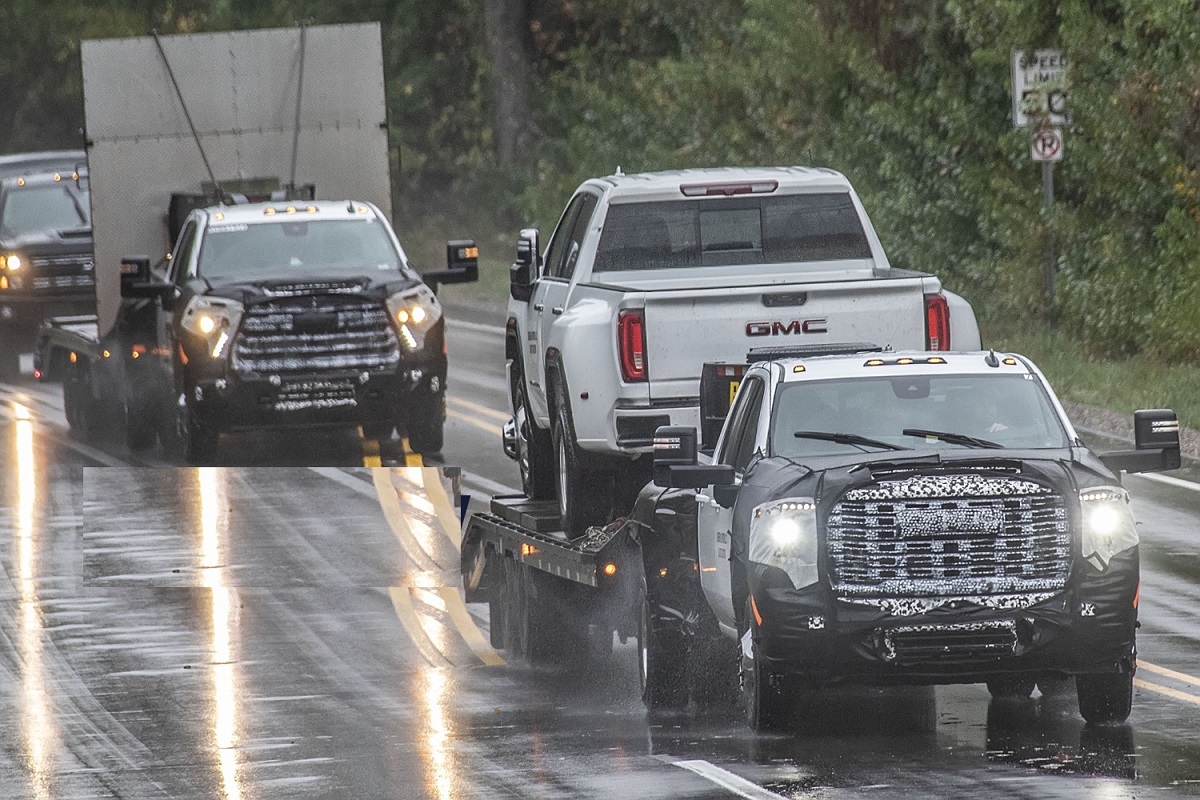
x=67 y=240
x=268 y=288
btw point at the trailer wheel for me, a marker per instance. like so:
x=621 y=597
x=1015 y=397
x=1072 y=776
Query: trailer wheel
x=662 y=659
x=515 y=604
x=1105 y=699
x=767 y=700
x=426 y=423
x=10 y=362
x=141 y=419
x=535 y=449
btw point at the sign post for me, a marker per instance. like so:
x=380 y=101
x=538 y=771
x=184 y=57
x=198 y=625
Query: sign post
x=1039 y=85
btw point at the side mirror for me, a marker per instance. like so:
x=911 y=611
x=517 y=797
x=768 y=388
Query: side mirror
x=1156 y=439
x=137 y=283
x=462 y=265
x=675 y=463
x=524 y=270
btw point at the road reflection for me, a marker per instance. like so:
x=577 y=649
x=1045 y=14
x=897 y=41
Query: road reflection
x=214 y=520
x=37 y=721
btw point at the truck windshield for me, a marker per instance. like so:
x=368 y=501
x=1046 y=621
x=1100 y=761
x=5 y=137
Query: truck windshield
x=1010 y=411
x=296 y=247
x=782 y=229
x=37 y=209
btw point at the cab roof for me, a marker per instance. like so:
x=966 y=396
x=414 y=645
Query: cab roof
x=899 y=364
x=719 y=182
x=289 y=210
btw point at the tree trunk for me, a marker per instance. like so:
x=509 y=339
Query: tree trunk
x=507 y=30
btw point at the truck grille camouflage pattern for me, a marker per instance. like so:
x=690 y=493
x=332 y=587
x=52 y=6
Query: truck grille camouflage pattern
x=310 y=333
x=948 y=536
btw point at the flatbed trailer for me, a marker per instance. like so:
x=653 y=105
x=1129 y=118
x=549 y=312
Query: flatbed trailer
x=552 y=599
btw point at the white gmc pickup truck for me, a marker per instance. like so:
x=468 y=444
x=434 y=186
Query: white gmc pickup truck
x=647 y=277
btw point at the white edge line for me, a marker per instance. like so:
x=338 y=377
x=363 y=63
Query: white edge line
x=487 y=484
x=1170 y=481
x=727 y=780
x=478 y=327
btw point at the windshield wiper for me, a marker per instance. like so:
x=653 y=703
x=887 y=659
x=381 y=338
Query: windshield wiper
x=847 y=438
x=953 y=438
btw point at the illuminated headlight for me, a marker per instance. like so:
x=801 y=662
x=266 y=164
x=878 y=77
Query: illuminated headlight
x=1108 y=526
x=414 y=313
x=214 y=320
x=783 y=534
x=11 y=262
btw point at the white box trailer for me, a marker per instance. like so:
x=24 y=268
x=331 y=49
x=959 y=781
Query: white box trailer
x=244 y=91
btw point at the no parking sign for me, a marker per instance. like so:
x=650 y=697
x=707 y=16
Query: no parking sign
x=1047 y=145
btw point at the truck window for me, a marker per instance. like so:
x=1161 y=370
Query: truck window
x=558 y=242
x=782 y=229
x=34 y=209
x=587 y=210
x=296 y=247
x=183 y=254
x=738 y=447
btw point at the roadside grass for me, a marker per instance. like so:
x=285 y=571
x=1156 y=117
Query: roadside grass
x=1121 y=385
x=425 y=244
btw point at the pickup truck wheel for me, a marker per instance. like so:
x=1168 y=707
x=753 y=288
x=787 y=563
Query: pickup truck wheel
x=379 y=431
x=1105 y=699
x=662 y=660
x=713 y=672
x=584 y=495
x=535 y=452
x=141 y=419
x=200 y=441
x=1011 y=688
x=426 y=423
x=766 y=698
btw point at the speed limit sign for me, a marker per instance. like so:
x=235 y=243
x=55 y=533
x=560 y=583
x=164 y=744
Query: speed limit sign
x=1047 y=145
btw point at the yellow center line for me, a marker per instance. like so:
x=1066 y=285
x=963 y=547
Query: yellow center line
x=402 y=602
x=389 y=501
x=447 y=514
x=1166 y=690
x=487 y=411
x=1168 y=673
x=370 y=450
x=411 y=459
x=467 y=628
x=483 y=426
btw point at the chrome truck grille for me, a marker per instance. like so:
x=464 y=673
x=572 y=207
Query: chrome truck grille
x=298 y=333
x=62 y=272
x=948 y=536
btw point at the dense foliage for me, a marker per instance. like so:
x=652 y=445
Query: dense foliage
x=909 y=98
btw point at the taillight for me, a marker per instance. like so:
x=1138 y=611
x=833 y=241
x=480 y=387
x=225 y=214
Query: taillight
x=631 y=344
x=937 y=322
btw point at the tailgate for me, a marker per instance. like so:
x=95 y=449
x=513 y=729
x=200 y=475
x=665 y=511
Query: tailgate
x=684 y=329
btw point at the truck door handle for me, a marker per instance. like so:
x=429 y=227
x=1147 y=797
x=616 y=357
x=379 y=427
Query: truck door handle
x=556 y=311
x=539 y=306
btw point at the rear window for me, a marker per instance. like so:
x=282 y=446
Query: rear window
x=782 y=229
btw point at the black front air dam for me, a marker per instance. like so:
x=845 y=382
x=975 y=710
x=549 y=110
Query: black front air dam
x=1089 y=628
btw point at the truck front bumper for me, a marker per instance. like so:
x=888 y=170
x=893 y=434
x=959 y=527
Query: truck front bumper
x=28 y=310
x=328 y=399
x=1088 y=628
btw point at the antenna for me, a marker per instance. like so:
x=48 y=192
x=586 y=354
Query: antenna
x=619 y=173
x=204 y=157
x=291 y=187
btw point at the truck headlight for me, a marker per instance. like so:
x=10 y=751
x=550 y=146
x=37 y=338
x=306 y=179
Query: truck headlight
x=214 y=320
x=1108 y=526
x=783 y=534
x=11 y=262
x=414 y=312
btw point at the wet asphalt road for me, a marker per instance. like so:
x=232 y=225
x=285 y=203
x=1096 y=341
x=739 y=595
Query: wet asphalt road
x=262 y=632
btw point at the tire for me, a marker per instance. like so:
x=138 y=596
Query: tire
x=1105 y=699
x=515 y=630
x=426 y=423
x=200 y=441
x=766 y=700
x=584 y=495
x=713 y=672
x=141 y=419
x=533 y=628
x=662 y=661
x=10 y=361
x=379 y=431
x=535 y=448
x=1011 y=688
